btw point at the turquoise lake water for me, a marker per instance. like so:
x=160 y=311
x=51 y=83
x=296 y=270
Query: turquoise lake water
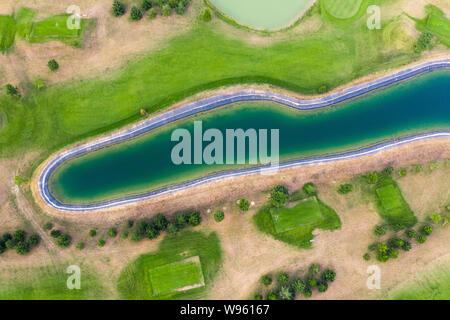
x=262 y=14
x=144 y=163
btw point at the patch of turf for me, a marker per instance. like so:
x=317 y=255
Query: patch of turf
x=7 y=32
x=342 y=9
x=65 y=113
x=50 y=283
x=304 y=213
x=432 y=284
x=135 y=282
x=391 y=204
x=436 y=23
x=24 y=20
x=56 y=28
x=300 y=236
x=178 y=276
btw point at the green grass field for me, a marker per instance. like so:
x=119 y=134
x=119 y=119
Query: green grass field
x=7 y=32
x=392 y=206
x=24 y=20
x=49 y=283
x=304 y=213
x=342 y=9
x=177 y=276
x=65 y=113
x=136 y=281
x=435 y=22
x=433 y=283
x=301 y=235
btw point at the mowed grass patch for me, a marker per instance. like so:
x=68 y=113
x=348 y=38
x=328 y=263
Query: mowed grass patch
x=137 y=282
x=435 y=22
x=24 y=20
x=392 y=206
x=342 y=9
x=56 y=28
x=304 y=213
x=178 y=276
x=301 y=235
x=433 y=283
x=50 y=283
x=7 y=32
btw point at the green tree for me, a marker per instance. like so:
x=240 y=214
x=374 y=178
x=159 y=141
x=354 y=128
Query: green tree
x=366 y=256
x=101 y=243
x=322 y=286
x=22 y=247
x=146 y=5
x=426 y=230
x=372 y=178
x=272 y=296
x=219 y=215
x=387 y=171
x=10 y=244
x=135 y=13
x=393 y=253
x=406 y=246
x=411 y=233
x=93 y=232
x=136 y=235
x=244 y=205
x=160 y=222
x=55 y=233
x=311 y=281
x=34 y=240
x=328 y=275
x=172 y=228
x=152 y=232
x=195 y=218
x=7 y=236
x=421 y=239
x=279 y=195
x=180 y=9
x=206 y=15
x=285 y=293
x=314 y=269
x=307 y=292
x=395 y=243
x=166 y=10
x=12 y=91
x=298 y=285
x=118 y=8
x=283 y=278
x=63 y=240
x=435 y=217
x=20 y=235
x=309 y=189
x=266 y=280
x=423 y=42
x=48 y=226
x=257 y=297
x=53 y=65
x=152 y=14
x=124 y=235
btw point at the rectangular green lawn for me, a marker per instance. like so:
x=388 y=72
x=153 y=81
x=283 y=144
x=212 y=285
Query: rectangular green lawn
x=304 y=213
x=7 y=32
x=177 y=276
x=394 y=208
x=55 y=27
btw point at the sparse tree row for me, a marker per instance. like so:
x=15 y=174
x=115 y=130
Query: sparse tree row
x=286 y=287
x=150 y=7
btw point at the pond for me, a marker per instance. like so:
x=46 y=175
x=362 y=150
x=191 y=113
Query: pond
x=144 y=163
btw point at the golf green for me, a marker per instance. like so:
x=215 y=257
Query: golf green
x=144 y=163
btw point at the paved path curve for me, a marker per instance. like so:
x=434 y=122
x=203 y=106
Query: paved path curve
x=221 y=100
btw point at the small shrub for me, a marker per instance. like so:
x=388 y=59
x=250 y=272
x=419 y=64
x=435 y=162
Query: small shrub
x=426 y=230
x=397 y=227
x=395 y=243
x=435 y=217
x=393 y=253
x=257 y=297
x=22 y=247
x=10 y=244
x=7 y=236
x=112 y=232
x=206 y=15
x=135 y=14
x=146 y=5
x=435 y=165
x=379 y=230
x=279 y=195
x=285 y=293
x=12 y=91
x=195 y=218
x=372 y=247
x=101 y=243
x=53 y=65
x=309 y=189
x=118 y=8
x=423 y=42
x=160 y=222
x=39 y=84
x=402 y=172
x=372 y=178
x=298 y=285
x=93 y=232
x=172 y=228
x=129 y=223
x=418 y=168
x=48 y=226
x=406 y=246
x=180 y=9
x=345 y=188
x=314 y=269
x=307 y=292
x=124 y=235
x=272 y=296
x=64 y=240
x=244 y=205
x=366 y=256
x=136 y=235
x=266 y=280
x=80 y=245
x=322 y=89
x=219 y=215
x=311 y=281
x=387 y=171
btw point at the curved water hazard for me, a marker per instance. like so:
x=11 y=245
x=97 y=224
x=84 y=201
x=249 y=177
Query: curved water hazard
x=135 y=164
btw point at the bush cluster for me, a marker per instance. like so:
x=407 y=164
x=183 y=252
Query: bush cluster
x=345 y=188
x=424 y=42
x=18 y=241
